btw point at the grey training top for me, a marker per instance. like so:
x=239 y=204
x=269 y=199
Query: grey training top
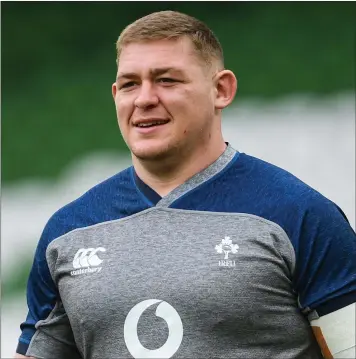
x=222 y=267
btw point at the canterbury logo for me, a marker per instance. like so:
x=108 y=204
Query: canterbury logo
x=86 y=258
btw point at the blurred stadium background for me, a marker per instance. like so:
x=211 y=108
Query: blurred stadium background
x=295 y=107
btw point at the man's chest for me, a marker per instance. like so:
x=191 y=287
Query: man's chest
x=170 y=252
x=173 y=277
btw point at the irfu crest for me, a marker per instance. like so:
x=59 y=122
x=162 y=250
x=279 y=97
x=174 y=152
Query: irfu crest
x=226 y=246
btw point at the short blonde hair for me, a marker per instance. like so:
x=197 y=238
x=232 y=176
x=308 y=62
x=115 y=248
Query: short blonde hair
x=173 y=25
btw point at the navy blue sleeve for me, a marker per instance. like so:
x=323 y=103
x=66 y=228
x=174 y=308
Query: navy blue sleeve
x=325 y=246
x=42 y=293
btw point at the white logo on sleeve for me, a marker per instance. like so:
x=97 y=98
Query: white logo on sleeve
x=226 y=246
x=175 y=327
x=85 y=259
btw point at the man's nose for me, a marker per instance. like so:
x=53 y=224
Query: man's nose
x=146 y=96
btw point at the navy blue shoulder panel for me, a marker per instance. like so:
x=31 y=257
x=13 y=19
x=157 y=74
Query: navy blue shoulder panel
x=114 y=198
x=323 y=240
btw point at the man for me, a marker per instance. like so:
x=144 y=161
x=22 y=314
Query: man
x=196 y=250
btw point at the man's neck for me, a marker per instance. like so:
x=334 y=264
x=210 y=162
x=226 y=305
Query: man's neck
x=164 y=176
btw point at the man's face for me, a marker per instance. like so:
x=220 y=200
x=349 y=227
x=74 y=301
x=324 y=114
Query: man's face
x=164 y=97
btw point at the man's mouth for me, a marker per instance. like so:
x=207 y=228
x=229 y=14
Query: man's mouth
x=146 y=124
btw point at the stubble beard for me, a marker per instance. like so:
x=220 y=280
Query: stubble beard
x=161 y=153
x=172 y=152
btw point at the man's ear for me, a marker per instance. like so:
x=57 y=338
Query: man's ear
x=114 y=89
x=225 y=88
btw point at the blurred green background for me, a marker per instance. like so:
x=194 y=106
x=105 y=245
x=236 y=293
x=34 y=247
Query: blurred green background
x=58 y=63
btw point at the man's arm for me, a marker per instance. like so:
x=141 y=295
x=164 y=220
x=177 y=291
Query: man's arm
x=22 y=356
x=42 y=296
x=46 y=332
x=326 y=277
x=336 y=334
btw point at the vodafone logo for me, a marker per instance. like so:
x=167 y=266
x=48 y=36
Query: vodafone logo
x=175 y=327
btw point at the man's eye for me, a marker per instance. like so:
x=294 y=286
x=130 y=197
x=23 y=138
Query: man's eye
x=166 y=80
x=127 y=85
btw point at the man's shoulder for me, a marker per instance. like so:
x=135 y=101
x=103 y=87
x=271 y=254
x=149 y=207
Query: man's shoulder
x=98 y=195
x=278 y=184
x=255 y=186
x=106 y=201
x=277 y=195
